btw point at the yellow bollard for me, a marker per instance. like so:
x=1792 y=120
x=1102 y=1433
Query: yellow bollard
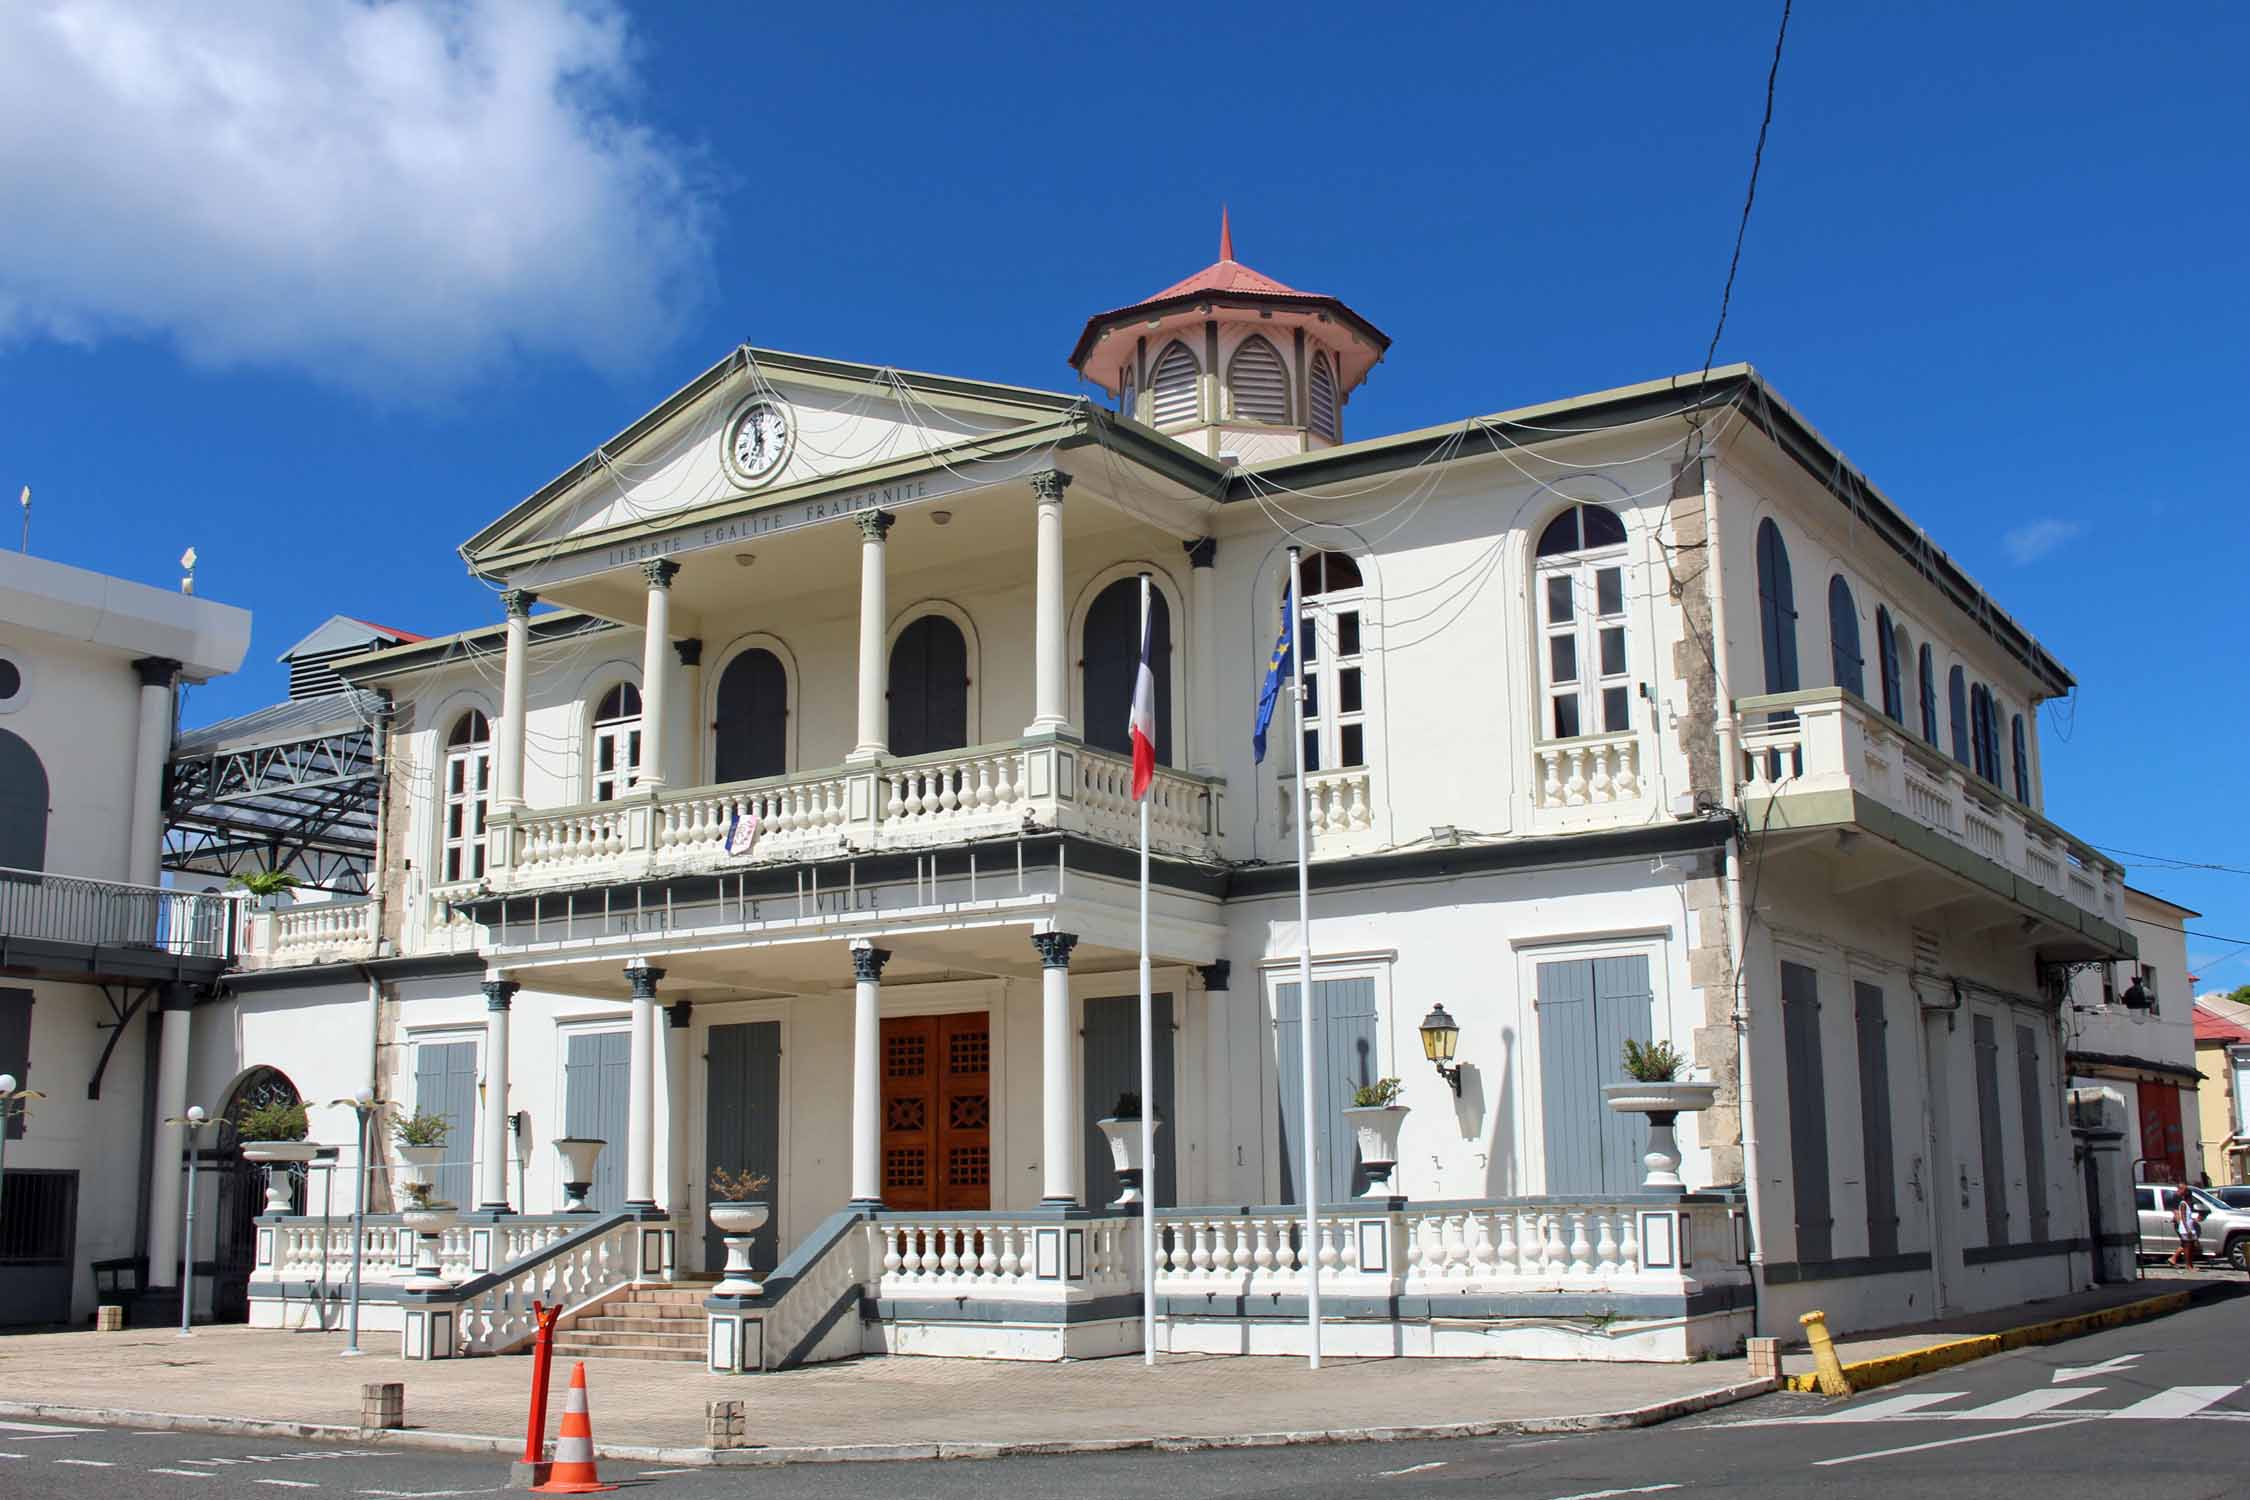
x=1827 y=1369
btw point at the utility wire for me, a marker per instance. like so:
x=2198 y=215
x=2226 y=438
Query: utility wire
x=2167 y=862
x=1742 y=229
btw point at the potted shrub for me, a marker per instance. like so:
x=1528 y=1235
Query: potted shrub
x=1122 y=1126
x=274 y=1134
x=419 y=1139
x=429 y=1218
x=1376 y=1115
x=578 y=1154
x=1658 y=1091
x=738 y=1213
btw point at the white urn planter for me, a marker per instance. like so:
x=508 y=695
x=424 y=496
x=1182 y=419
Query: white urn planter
x=578 y=1154
x=736 y=1223
x=1125 y=1154
x=271 y=1154
x=1377 y=1127
x=428 y=1224
x=420 y=1162
x=1662 y=1103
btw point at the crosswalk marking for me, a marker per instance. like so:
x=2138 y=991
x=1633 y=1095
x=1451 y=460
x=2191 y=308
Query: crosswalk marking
x=183 y=1473
x=26 y=1432
x=1974 y=1437
x=2029 y=1404
x=292 y=1484
x=1895 y=1406
x=88 y=1463
x=2179 y=1401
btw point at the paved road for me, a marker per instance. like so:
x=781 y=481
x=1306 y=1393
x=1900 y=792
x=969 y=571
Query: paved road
x=2160 y=1409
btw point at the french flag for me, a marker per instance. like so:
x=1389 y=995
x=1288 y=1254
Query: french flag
x=1144 y=712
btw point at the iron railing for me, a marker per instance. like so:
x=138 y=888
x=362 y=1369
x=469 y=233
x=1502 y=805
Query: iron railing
x=104 y=913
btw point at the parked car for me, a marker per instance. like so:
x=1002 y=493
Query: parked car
x=2233 y=1197
x=2225 y=1232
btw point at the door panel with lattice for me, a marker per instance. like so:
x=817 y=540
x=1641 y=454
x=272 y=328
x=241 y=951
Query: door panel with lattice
x=937 y=1112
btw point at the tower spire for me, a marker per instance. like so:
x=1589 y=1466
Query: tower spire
x=1226 y=235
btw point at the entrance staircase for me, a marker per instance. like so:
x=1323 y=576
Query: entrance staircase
x=660 y=1320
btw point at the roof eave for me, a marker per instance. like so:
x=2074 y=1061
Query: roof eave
x=1158 y=307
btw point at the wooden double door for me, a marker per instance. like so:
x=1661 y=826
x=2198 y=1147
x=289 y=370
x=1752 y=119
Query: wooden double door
x=937 y=1112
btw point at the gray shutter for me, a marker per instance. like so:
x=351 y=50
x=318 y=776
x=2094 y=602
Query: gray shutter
x=1347 y=1057
x=1808 y=1112
x=1567 y=1073
x=1875 y=1119
x=1624 y=1007
x=1323 y=397
x=1113 y=1066
x=1172 y=393
x=15 y=1048
x=445 y=1084
x=1258 y=382
x=597 y=1077
x=2034 y=1131
x=1988 y=1119
x=742 y=1121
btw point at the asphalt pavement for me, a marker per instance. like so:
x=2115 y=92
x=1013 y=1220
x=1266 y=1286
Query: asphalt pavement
x=2159 y=1408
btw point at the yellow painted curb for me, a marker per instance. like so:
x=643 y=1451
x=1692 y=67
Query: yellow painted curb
x=1867 y=1374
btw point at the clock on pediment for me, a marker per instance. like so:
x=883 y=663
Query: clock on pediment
x=757 y=440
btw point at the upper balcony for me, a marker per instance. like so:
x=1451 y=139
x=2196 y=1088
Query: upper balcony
x=1826 y=758
x=69 y=926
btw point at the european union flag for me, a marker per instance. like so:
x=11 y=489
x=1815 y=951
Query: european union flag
x=1269 y=692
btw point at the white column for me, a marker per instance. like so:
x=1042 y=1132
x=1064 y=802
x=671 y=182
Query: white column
x=144 y=861
x=640 y=1086
x=867 y=1073
x=656 y=669
x=168 y=1141
x=1203 y=650
x=680 y=1197
x=507 y=792
x=1060 y=1145
x=492 y=1161
x=874 y=626
x=1050 y=695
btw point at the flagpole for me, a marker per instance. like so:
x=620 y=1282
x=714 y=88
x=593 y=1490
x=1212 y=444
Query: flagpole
x=1148 y=1076
x=1309 y=1033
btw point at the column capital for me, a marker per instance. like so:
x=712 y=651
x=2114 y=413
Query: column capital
x=499 y=994
x=1049 y=484
x=517 y=603
x=689 y=649
x=1215 y=975
x=157 y=671
x=1054 y=948
x=1203 y=552
x=644 y=979
x=874 y=525
x=867 y=962
x=660 y=571
x=678 y=1015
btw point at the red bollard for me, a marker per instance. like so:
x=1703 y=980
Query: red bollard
x=542 y=1362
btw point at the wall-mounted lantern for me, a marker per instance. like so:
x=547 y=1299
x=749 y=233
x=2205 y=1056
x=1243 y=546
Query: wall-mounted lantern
x=1441 y=1034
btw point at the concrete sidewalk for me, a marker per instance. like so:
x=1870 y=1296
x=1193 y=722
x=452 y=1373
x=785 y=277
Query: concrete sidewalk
x=262 y=1381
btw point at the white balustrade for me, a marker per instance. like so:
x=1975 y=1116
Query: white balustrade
x=768 y=817
x=948 y=796
x=568 y=1273
x=1337 y=804
x=309 y=1250
x=1592 y=770
x=1179 y=807
x=1241 y=1251
x=1551 y=1243
x=571 y=839
x=950 y=1255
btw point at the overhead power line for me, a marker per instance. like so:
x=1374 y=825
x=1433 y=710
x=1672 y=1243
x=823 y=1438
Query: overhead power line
x=1742 y=229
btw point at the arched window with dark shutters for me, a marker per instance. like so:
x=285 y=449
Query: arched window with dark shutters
x=23 y=805
x=1110 y=662
x=1957 y=703
x=929 y=691
x=1843 y=638
x=750 y=722
x=1886 y=650
x=1925 y=674
x=1777 y=610
x=1172 y=397
x=2022 y=761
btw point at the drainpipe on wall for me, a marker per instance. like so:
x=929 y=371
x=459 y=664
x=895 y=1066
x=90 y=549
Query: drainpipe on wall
x=1738 y=922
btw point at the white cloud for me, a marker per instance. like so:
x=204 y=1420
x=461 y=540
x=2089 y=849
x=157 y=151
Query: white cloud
x=393 y=195
x=2035 y=539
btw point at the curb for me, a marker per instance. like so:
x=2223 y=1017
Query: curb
x=461 y=1442
x=1867 y=1374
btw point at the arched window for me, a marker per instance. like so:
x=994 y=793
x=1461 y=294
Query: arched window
x=929 y=690
x=23 y=805
x=2022 y=761
x=1323 y=386
x=1777 y=610
x=1330 y=595
x=1584 y=658
x=1887 y=655
x=468 y=795
x=750 y=722
x=617 y=742
x=1984 y=728
x=1957 y=704
x=1843 y=638
x=1110 y=664
x=1925 y=676
x=1172 y=389
x=1258 y=382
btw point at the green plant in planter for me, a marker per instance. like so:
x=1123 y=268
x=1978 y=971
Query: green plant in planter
x=273 y=1122
x=1381 y=1094
x=421 y=1129
x=267 y=883
x=1127 y=1107
x=737 y=1187
x=1657 y=1062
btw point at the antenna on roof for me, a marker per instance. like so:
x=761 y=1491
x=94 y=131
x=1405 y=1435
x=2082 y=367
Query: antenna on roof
x=187 y=561
x=1226 y=235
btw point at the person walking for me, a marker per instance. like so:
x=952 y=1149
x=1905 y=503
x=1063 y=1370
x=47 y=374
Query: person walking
x=2187 y=1223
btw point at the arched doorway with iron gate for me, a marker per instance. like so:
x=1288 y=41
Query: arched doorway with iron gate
x=241 y=1195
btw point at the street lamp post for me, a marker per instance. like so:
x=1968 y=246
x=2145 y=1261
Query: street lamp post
x=193 y=1121
x=12 y=1103
x=363 y=1106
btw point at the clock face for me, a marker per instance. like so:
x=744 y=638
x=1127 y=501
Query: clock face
x=758 y=440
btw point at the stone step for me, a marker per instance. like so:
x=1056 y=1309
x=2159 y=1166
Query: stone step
x=567 y=1349
x=599 y=1339
x=638 y=1307
x=631 y=1323
x=666 y=1296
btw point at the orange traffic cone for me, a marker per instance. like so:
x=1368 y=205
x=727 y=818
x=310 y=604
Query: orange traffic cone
x=573 y=1470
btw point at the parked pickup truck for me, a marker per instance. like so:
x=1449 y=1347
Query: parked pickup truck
x=2225 y=1232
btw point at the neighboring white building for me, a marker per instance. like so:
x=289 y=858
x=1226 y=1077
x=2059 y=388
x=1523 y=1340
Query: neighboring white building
x=795 y=837
x=2132 y=1029
x=99 y=965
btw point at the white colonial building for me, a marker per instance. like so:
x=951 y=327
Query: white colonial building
x=780 y=823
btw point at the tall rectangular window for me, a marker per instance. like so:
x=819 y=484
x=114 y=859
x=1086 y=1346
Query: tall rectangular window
x=1808 y=1111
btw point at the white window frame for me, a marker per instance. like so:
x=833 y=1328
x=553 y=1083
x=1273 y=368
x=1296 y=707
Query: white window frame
x=1330 y=670
x=465 y=798
x=1579 y=573
x=621 y=737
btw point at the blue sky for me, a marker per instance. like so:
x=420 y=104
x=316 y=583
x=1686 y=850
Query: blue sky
x=320 y=289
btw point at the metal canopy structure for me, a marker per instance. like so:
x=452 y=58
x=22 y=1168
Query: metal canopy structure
x=293 y=787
